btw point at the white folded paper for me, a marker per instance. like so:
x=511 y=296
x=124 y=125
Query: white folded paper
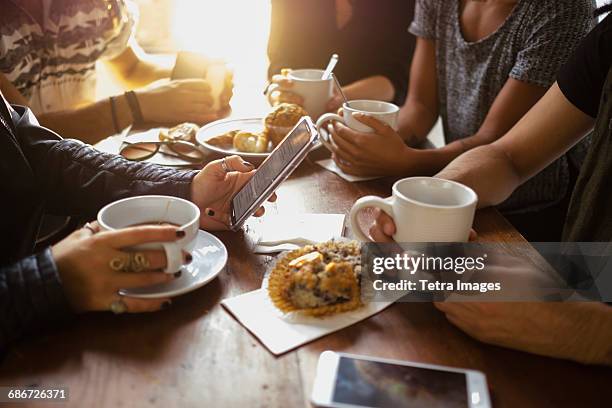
x=330 y=165
x=288 y=232
x=281 y=333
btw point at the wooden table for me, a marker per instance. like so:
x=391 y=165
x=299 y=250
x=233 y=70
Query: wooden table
x=196 y=355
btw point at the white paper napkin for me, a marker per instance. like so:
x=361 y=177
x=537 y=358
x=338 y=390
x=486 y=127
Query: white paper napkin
x=287 y=232
x=330 y=165
x=280 y=333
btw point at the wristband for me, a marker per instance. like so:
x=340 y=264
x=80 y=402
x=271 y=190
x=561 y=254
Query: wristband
x=113 y=107
x=132 y=101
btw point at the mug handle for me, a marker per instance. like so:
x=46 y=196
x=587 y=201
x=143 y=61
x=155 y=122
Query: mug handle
x=324 y=135
x=174 y=257
x=385 y=204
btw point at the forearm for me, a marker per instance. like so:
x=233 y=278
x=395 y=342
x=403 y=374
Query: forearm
x=134 y=68
x=80 y=180
x=375 y=87
x=143 y=73
x=500 y=176
x=415 y=122
x=595 y=338
x=32 y=298
x=76 y=179
x=90 y=123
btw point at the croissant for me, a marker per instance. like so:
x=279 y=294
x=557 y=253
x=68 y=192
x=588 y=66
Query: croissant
x=251 y=142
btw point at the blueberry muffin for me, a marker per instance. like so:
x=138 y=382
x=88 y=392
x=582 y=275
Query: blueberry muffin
x=318 y=280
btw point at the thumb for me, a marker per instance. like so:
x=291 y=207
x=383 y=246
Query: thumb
x=379 y=127
x=216 y=219
x=237 y=163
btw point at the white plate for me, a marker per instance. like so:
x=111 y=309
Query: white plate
x=209 y=259
x=220 y=127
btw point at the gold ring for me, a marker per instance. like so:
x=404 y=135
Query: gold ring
x=136 y=262
x=224 y=165
x=117 y=264
x=118 y=306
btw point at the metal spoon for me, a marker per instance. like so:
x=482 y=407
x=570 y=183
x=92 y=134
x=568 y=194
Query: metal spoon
x=330 y=66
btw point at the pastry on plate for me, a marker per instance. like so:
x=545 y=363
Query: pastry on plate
x=249 y=142
x=318 y=280
x=185 y=131
x=280 y=121
x=224 y=141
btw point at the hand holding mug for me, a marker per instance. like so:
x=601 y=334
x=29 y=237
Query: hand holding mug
x=179 y=100
x=384 y=228
x=304 y=87
x=84 y=258
x=423 y=209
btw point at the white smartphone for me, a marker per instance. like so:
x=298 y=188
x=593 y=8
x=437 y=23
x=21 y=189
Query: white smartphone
x=345 y=380
x=273 y=171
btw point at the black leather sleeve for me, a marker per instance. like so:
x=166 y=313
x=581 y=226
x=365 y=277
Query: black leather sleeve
x=31 y=298
x=76 y=179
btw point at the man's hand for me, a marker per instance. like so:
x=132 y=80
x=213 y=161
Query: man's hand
x=576 y=331
x=213 y=189
x=382 y=153
x=383 y=228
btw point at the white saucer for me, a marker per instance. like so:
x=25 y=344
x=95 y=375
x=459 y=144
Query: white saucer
x=209 y=259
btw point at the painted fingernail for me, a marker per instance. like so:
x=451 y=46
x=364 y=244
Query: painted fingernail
x=210 y=212
x=246 y=163
x=178 y=274
x=189 y=258
x=180 y=233
x=166 y=304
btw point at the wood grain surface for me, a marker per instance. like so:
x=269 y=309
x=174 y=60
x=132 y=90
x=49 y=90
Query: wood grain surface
x=196 y=355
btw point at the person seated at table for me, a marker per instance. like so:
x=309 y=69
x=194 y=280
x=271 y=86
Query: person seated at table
x=371 y=39
x=578 y=103
x=43 y=173
x=480 y=66
x=48 y=62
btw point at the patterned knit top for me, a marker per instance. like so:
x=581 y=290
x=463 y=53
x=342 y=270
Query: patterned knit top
x=52 y=62
x=530 y=46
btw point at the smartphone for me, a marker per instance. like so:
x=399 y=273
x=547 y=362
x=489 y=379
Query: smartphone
x=273 y=171
x=345 y=380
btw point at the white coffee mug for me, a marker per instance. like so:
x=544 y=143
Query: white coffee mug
x=215 y=76
x=315 y=92
x=385 y=112
x=424 y=209
x=151 y=210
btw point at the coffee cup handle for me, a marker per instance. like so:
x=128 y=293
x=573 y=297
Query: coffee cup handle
x=324 y=135
x=174 y=257
x=385 y=204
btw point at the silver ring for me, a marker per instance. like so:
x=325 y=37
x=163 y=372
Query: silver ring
x=89 y=227
x=224 y=166
x=118 y=306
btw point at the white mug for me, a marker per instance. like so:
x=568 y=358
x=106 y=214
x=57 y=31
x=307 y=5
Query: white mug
x=315 y=92
x=156 y=209
x=215 y=76
x=424 y=209
x=385 y=112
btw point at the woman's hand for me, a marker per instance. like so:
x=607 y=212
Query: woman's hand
x=213 y=188
x=280 y=90
x=382 y=153
x=83 y=260
x=383 y=228
x=182 y=100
